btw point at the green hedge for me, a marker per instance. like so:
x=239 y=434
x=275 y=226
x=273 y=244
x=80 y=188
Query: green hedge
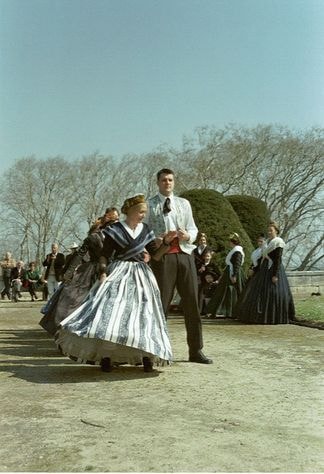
x=253 y=214
x=215 y=216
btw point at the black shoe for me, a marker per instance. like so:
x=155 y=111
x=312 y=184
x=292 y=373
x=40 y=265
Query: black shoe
x=147 y=363
x=200 y=358
x=106 y=364
x=19 y=294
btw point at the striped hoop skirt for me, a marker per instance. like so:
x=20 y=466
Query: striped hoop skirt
x=122 y=319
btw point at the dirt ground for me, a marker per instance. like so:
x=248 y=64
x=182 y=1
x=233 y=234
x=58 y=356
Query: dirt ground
x=259 y=407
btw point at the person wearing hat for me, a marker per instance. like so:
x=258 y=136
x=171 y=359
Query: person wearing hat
x=122 y=319
x=74 y=247
x=230 y=283
x=79 y=274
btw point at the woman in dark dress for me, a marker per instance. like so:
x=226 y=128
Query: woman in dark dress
x=231 y=282
x=268 y=299
x=122 y=320
x=78 y=277
x=256 y=256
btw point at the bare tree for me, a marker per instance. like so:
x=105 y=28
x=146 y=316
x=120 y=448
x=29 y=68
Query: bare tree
x=282 y=167
x=39 y=198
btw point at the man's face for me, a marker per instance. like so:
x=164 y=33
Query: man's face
x=54 y=248
x=166 y=184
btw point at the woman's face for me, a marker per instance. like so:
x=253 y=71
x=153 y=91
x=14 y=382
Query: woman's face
x=137 y=213
x=272 y=232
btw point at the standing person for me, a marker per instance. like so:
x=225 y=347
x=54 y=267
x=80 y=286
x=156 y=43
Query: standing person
x=32 y=276
x=176 y=269
x=201 y=246
x=122 y=320
x=54 y=263
x=231 y=282
x=267 y=298
x=7 y=264
x=208 y=274
x=16 y=278
x=74 y=247
x=256 y=255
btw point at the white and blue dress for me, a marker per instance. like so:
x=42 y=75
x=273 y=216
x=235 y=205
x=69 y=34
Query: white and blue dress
x=122 y=318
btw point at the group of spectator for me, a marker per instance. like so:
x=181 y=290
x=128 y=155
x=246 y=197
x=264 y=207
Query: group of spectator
x=17 y=277
x=261 y=296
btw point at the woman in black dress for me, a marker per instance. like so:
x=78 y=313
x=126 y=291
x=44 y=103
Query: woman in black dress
x=231 y=282
x=78 y=277
x=268 y=299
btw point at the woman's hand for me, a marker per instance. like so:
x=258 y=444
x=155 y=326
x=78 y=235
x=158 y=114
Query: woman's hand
x=274 y=279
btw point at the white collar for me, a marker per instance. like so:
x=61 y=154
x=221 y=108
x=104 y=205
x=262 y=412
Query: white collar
x=163 y=198
x=133 y=232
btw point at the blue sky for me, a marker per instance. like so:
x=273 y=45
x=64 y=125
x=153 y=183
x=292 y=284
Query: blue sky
x=123 y=76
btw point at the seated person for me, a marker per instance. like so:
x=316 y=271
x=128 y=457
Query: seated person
x=207 y=291
x=32 y=278
x=16 y=277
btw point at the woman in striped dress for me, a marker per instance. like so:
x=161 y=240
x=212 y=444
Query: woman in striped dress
x=122 y=320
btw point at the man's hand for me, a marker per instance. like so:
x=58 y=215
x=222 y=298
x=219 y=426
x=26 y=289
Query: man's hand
x=183 y=235
x=169 y=236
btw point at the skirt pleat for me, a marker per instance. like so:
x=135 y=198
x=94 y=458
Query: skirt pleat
x=122 y=318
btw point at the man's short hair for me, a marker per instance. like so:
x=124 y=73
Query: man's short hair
x=163 y=171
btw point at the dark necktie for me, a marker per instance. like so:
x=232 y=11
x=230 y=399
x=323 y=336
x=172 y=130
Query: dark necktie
x=166 y=206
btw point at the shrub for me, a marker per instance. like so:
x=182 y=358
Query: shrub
x=215 y=216
x=253 y=214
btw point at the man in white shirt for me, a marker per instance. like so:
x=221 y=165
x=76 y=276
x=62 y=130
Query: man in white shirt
x=176 y=269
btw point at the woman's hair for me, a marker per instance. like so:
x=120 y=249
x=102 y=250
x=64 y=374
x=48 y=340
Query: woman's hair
x=234 y=238
x=132 y=201
x=111 y=209
x=275 y=226
x=95 y=225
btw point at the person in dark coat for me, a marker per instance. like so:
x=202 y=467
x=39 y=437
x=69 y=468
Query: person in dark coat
x=231 y=282
x=208 y=274
x=267 y=298
x=79 y=276
x=54 y=263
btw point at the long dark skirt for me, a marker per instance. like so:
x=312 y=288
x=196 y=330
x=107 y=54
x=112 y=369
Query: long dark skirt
x=265 y=302
x=68 y=297
x=226 y=294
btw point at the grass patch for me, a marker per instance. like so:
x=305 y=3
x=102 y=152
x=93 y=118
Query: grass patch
x=310 y=308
